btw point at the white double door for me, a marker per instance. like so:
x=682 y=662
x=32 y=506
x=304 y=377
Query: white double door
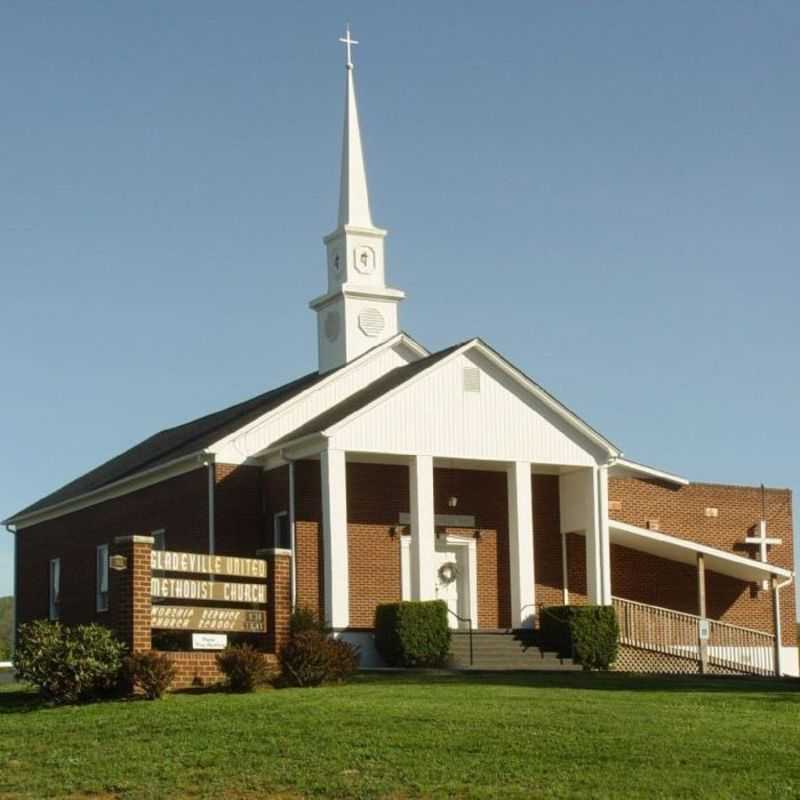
x=452 y=582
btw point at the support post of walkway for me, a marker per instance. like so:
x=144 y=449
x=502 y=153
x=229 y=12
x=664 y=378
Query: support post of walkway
x=776 y=618
x=520 y=545
x=423 y=534
x=334 y=521
x=701 y=610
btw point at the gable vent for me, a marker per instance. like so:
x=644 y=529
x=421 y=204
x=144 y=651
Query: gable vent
x=472 y=379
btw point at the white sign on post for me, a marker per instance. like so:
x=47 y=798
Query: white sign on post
x=209 y=641
x=704 y=630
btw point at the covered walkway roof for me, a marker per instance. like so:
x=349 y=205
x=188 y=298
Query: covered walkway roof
x=663 y=545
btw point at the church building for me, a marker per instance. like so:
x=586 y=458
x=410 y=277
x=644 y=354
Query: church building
x=391 y=473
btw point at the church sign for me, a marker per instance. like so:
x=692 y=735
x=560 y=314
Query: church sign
x=190 y=588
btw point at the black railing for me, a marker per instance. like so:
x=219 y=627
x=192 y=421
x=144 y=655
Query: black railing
x=468 y=620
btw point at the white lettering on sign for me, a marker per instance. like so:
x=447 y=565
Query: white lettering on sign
x=233 y=566
x=190 y=589
x=195 y=618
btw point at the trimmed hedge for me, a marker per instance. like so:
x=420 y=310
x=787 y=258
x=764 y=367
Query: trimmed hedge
x=589 y=634
x=413 y=634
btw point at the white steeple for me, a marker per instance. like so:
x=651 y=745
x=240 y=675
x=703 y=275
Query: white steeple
x=358 y=311
x=353 y=195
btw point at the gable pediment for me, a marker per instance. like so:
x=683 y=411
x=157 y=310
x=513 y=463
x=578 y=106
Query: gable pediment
x=471 y=405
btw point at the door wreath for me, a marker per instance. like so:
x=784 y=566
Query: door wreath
x=448 y=573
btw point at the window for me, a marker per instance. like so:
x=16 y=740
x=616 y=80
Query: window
x=55 y=587
x=281 y=531
x=159 y=539
x=102 y=577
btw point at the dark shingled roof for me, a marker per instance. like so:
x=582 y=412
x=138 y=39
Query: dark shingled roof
x=173 y=443
x=361 y=399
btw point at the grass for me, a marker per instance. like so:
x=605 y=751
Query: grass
x=401 y=736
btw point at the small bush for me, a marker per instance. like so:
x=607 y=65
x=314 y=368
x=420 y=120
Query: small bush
x=68 y=664
x=311 y=658
x=589 y=634
x=151 y=672
x=343 y=660
x=245 y=669
x=305 y=619
x=413 y=634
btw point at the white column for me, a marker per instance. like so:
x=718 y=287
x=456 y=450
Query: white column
x=604 y=537
x=423 y=534
x=334 y=522
x=520 y=545
x=583 y=497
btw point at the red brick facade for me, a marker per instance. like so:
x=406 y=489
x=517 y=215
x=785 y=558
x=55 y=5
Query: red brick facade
x=246 y=500
x=682 y=512
x=179 y=506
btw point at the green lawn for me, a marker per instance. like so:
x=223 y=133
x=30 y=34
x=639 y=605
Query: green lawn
x=399 y=736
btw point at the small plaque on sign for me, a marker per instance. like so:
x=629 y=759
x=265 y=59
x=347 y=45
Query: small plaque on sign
x=704 y=630
x=209 y=641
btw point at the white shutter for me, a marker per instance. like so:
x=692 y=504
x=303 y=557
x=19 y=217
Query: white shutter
x=102 y=577
x=55 y=586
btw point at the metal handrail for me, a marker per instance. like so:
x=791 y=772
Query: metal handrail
x=468 y=620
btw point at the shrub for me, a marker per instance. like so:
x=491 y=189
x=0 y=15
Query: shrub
x=311 y=658
x=151 y=672
x=590 y=634
x=245 y=669
x=413 y=634
x=68 y=664
x=304 y=619
x=343 y=660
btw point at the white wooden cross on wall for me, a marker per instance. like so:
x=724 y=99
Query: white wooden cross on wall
x=763 y=541
x=348 y=42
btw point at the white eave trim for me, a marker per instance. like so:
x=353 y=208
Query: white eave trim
x=624 y=467
x=664 y=545
x=400 y=338
x=132 y=483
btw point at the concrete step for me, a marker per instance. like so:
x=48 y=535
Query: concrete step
x=499 y=650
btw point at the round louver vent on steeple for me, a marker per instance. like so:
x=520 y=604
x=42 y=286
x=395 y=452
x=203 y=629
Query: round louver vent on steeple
x=371 y=322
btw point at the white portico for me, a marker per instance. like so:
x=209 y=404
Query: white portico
x=466 y=408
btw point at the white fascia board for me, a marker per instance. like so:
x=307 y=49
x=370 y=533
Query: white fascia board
x=400 y=338
x=634 y=469
x=507 y=368
x=686 y=551
x=310 y=445
x=132 y=483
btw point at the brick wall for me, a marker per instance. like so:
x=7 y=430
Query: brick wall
x=682 y=512
x=179 y=505
x=376 y=495
x=308 y=536
x=238 y=510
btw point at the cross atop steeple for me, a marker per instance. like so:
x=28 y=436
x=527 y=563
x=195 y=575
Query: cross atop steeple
x=348 y=42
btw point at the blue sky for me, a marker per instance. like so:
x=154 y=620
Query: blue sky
x=607 y=193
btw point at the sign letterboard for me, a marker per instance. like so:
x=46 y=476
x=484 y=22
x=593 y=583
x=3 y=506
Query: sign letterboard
x=190 y=589
x=232 y=566
x=192 y=618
